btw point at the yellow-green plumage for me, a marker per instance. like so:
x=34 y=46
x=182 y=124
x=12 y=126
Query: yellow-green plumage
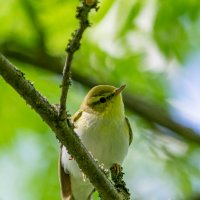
x=104 y=130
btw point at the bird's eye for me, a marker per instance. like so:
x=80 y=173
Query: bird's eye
x=102 y=99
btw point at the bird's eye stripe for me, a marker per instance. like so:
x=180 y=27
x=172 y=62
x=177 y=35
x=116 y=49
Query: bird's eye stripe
x=110 y=96
x=102 y=99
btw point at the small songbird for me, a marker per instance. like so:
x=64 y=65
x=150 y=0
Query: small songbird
x=106 y=133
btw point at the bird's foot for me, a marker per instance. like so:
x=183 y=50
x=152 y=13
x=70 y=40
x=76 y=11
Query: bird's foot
x=117 y=177
x=116 y=169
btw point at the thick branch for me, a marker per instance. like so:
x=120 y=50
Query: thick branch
x=134 y=103
x=66 y=136
x=72 y=47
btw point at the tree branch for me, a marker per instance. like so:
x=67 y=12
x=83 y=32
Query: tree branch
x=134 y=103
x=65 y=135
x=72 y=47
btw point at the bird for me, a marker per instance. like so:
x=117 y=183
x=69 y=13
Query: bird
x=104 y=130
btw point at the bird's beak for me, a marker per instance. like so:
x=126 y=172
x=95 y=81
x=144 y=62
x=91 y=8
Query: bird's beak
x=119 y=90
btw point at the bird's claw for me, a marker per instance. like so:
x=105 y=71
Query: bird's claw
x=116 y=169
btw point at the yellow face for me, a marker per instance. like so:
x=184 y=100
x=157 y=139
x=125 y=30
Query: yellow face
x=103 y=98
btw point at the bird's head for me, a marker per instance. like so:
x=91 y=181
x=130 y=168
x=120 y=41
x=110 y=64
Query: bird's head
x=104 y=99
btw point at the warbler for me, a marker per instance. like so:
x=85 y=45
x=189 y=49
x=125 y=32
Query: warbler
x=106 y=133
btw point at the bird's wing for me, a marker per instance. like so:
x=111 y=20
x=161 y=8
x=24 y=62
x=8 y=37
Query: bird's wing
x=129 y=130
x=76 y=116
x=64 y=180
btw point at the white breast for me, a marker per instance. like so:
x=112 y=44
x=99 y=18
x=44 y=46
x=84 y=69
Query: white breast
x=105 y=138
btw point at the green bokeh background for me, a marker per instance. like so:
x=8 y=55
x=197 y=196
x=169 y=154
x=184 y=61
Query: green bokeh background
x=139 y=43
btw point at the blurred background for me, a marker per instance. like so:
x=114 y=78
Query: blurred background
x=152 y=46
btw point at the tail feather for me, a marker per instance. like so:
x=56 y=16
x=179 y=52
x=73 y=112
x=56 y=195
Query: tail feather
x=65 y=182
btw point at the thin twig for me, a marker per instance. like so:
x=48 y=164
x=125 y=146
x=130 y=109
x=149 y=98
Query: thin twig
x=72 y=47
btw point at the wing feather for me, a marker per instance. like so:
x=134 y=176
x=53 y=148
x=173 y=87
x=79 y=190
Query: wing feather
x=130 y=131
x=76 y=116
